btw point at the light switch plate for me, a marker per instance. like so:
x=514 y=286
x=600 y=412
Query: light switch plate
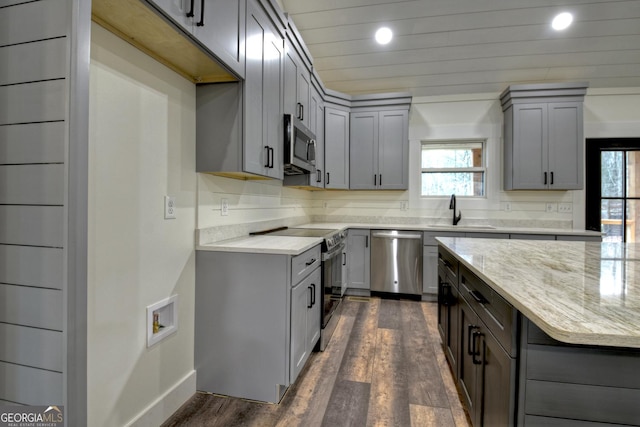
x=169 y=207
x=224 y=207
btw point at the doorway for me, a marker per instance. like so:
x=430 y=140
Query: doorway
x=613 y=188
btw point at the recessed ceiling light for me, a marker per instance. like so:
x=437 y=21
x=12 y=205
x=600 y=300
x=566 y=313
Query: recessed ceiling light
x=384 y=35
x=562 y=21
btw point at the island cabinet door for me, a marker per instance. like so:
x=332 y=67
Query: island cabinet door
x=469 y=356
x=496 y=388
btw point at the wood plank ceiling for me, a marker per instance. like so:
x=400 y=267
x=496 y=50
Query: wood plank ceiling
x=468 y=46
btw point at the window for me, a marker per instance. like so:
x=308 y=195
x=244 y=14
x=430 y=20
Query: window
x=613 y=188
x=455 y=167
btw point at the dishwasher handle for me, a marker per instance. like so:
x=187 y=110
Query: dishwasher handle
x=398 y=236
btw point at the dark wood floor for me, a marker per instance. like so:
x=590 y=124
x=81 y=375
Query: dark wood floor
x=384 y=366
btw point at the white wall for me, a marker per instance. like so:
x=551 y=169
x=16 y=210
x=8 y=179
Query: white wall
x=142 y=147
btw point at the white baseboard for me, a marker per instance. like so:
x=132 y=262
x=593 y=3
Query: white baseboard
x=163 y=407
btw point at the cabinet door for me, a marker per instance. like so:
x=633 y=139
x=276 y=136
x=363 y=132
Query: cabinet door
x=430 y=270
x=565 y=146
x=304 y=94
x=497 y=385
x=530 y=145
x=220 y=28
x=300 y=304
x=263 y=122
x=468 y=340
x=363 y=151
x=336 y=149
x=291 y=65
x=316 y=124
x=314 y=315
x=358 y=259
x=393 y=150
x=452 y=343
x=178 y=11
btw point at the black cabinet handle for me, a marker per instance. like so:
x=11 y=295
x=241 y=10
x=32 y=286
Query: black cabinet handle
x=471 y=349
x=380 y=180
x=190 y=13
x=201 y=23
x=375 y=179
x=301 y=112
x=344 y=258
x=266 y=147
x=310 y=304
x=478 y=297
x=313 y=294
x=310 y=262
x=327 y=178
x=545 y=178
x=366 y=241
x=272 y=156
x=551 y=178
x=476 y=352
x=445 y=299
x=318 y=175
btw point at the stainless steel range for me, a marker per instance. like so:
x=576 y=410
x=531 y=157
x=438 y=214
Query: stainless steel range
x=333 y=284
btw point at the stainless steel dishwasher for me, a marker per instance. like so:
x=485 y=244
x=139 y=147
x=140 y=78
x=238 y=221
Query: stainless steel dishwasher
x=396 y=262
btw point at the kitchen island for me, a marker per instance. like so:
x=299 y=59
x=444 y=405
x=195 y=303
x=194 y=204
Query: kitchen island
x=542 y=333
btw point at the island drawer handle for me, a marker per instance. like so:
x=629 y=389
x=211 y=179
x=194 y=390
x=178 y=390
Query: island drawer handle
x=478 y=297
x=310 y=262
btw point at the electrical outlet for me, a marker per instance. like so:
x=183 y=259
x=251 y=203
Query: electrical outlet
x=552 y=207
x=404 y=205
x=565 y=207
x=325 y=205
x=507 y=206
x=169 y=207
x=224 y=207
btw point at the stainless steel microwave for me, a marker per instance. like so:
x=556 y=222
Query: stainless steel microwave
x=299 y=147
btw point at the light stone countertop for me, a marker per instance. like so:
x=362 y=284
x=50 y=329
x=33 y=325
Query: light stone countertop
x=577 y=292
x=286 y=245
x=296 y=245
x=445 y=227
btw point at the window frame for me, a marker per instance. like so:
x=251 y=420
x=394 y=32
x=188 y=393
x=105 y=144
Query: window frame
x=472 y=169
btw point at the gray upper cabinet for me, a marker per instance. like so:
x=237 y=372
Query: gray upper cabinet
x=219 y=27
x=297 y=77
x=239 y=126
x=316 y=124
x=543 y=136
x=379 y=150
x=336 y=148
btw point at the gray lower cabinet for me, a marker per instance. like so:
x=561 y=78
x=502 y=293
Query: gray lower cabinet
x=305 y=320
x=239 y=125
x=336 y=148
x=218 y=27
x=358 y=259
x=448 y=312
x=257 y=319
x=568 y=385
x=487 y=370
x=379 y=150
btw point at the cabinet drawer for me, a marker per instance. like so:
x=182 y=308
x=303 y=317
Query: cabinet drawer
x=449 y=263
x=581 y=365
x=305 y=263
x=582 y=402
x=499 y=316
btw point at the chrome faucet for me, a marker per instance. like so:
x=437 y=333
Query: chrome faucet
x=452 y=205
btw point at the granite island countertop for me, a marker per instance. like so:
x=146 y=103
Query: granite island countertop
x=577 y=292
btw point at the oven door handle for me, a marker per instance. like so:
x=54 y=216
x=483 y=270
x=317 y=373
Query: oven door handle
x=333 y=253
